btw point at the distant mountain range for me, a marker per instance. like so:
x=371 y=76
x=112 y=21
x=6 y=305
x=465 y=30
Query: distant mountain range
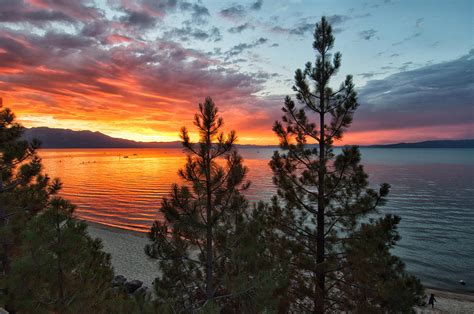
x=64 y=138
x=430 y=144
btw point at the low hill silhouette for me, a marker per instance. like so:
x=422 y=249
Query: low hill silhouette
x=65 y=138
x=430 y=144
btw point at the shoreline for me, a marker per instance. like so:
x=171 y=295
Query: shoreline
x=450 y=293
x=114 y=229
x=144 y=235
x=126 y=248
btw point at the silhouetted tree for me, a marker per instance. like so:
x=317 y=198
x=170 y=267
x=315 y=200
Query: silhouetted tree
x=375 y=281
x=322 y=198
x=24 y=191
x=205 y=251
x=48 y=262
x=60 y=268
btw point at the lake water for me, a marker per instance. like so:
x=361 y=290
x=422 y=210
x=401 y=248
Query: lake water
x=432 y=190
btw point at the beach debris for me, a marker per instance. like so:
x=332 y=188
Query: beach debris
x=143 y=290
x=132 y=285
x=462 y=282
x=118 y=281
x=134 y=288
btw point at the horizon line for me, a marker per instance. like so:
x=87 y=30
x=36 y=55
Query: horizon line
x=256 y=145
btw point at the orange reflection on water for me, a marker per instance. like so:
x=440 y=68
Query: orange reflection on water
x=124 y=187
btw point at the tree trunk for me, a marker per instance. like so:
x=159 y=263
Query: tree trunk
x=209 y=237
x=209 y=261
x=320 y=240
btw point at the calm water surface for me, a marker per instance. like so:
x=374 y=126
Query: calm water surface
x=432 y=190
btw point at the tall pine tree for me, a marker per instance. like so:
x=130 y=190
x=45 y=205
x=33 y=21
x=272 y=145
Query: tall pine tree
x=323 y=198
x=59 y=268
x=48 y=262
x=203 y=245
x=24 y=191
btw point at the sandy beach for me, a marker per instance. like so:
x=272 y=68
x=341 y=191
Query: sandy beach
x=449 y=302
x=128 y=259
x=127 y=251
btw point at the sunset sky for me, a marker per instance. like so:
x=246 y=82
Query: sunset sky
x=137 y=69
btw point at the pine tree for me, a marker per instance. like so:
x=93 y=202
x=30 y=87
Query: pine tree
x=59 y=267
x=323 y=198
x=200 y=244
x=48 y=262
x=375 y=281
x=24 y=191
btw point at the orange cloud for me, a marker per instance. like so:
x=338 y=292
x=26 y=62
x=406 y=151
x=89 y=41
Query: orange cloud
x=105 y=74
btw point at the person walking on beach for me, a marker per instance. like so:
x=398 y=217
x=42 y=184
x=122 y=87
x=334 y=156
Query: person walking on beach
x=432 y=300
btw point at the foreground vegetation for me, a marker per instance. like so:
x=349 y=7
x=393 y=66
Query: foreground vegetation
x=318 y=246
